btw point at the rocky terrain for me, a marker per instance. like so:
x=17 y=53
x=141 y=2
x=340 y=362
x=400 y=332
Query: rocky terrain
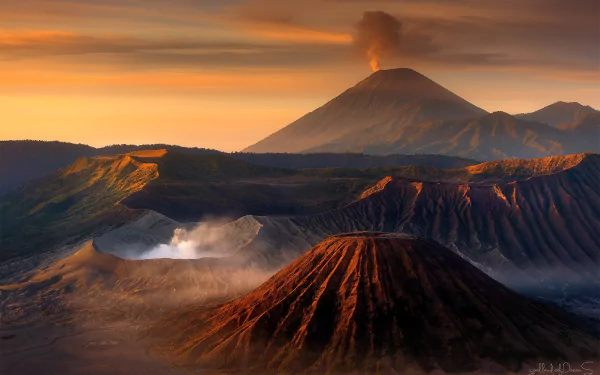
x=104 y=192
x=71 y=204
x=510 y=217
x=375 y=303
x=523 y=222
x=531 y=228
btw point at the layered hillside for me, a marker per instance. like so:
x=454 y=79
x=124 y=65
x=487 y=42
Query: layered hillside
x=541 y=224
x=90 y=280
x=537 y=219
x=71 y=204
x=388 y=99
x=22 y=161
x=191 y=187
x=351 y=160
x=559 y=114
x=588 y=124
x=94 y=194
x=490 y=137
x=375 y=303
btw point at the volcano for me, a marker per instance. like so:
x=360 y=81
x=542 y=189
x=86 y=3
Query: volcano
x=380 y=303
x=560 y=114
x=402 y=111
x=387 y=98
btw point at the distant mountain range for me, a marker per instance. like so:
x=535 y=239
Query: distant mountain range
x=560 y=114
x=21 y=161
x=402 y=111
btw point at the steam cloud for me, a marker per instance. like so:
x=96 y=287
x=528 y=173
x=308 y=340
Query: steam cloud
x=208 y=239
x=378 y=35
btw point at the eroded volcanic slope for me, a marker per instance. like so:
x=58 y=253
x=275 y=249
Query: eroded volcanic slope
x=375 y=303
x=72 y=203
x=89 y=279
x=95 y=194
x=540 y=216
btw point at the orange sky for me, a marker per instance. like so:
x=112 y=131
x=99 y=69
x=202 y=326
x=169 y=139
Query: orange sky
x=224 y=76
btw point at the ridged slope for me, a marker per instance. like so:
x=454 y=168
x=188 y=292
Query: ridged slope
x=90 y=281
x=559 y=114
x=493 y=136
x=71 y=203
x=548 y=222
x=547 y=226
x=375 y=303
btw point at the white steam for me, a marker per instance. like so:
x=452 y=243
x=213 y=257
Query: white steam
x=208 y=239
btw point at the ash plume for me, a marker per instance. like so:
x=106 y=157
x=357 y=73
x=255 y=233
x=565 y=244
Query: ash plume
x=378 y=35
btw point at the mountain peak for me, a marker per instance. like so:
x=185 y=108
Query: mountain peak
x=397 y=73
x=560 y=114
x=572 y=105
x=407 y=84
x=381 y=98
x=500 y=114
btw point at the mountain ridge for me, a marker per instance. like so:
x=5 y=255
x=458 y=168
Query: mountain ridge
x=22 y=161
x=496 y=135
x=560 y=114
x=502 y=225
x=402 y=111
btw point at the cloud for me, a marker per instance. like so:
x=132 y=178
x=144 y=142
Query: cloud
x=159 y=52
x=50 y=42
x=297 y=34
x=541 y=35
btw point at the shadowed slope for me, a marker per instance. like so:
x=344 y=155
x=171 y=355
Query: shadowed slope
x=549 y=222
x=94 y=194
x=542 y=224
x=71 y=204
x=587 y=130
x=375 y=303
x=494 y=136
x=559 y=114
x=22 y=161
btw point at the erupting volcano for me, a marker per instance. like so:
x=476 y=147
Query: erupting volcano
x=375 y=303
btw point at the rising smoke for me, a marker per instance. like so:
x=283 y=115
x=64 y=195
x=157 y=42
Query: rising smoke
x=378 y=35
x=208 y=239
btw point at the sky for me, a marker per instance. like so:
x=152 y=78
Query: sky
x=225 y=74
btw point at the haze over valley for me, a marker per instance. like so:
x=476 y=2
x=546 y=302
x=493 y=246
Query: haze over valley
x=276 y=188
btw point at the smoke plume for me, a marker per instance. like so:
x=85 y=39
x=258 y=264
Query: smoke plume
x=210 y=238
x=378 y=36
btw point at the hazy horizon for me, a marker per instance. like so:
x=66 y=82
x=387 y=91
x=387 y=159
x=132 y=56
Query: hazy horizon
x=226 y=75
